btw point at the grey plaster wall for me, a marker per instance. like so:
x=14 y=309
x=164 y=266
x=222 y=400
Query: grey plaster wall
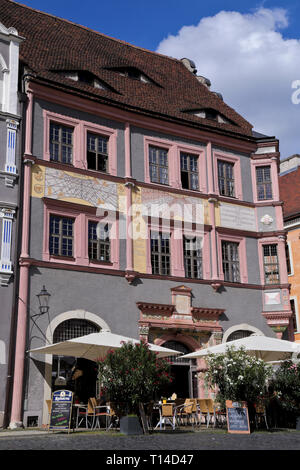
x=252 y=261
x=38 y=128
x=114 y=300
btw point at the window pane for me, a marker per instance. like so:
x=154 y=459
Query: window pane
x=158 y=165
x=226 y=178
x=230 y=259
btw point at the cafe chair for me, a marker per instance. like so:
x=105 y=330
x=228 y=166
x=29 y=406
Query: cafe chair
x=220 y=415
x=203 y=411
x=211 y=411
x=187 y=412
x=167 y=415
x=114 y=420
x=260 y=415
x=98 y=411
x=82 y=416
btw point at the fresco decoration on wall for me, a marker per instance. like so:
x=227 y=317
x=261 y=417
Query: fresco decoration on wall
x=68 y=186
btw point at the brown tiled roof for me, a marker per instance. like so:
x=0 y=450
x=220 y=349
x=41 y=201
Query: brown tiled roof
x=289 y=189
x=53 y=44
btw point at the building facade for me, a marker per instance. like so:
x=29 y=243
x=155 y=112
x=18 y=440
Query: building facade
x=150 y=208
x=289 y=190
x=10 y=150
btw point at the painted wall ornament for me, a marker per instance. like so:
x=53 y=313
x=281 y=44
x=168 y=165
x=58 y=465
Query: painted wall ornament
x=267 y=219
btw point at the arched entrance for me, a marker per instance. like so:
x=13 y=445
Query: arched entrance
x=82 y=383
x=183 y=371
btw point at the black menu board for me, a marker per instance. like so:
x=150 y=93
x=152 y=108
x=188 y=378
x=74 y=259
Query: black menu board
x=237 y=417
x=61 y=410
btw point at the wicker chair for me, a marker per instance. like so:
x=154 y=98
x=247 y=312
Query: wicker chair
x=98 y=411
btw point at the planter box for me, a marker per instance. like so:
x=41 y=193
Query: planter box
x=130 y=425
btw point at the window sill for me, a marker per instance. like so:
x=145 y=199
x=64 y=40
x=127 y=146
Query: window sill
x=59 y=258
x=99 y=262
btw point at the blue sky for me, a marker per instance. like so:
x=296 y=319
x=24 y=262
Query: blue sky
x=249 y=50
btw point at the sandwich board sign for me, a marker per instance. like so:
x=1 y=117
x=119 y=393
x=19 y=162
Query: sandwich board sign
x=237 y=417
x=61 y=410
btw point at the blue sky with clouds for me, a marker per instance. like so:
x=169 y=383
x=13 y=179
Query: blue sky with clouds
x=249 y=50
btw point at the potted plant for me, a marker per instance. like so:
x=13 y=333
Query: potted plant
x=237 y=376
x=130 y=376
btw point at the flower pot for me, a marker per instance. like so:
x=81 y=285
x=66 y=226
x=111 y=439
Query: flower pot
x=130 y=425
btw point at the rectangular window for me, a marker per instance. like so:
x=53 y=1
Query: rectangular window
x=61 y=143
x=226 y=178
x=189 y=171
x=263 y=183
x=158 y=165
x=97 y=152
x=293 y=308
x=61 y=236
x=192 y=249
x=160 y=253
x=230 y=260
x=271 y=264
x=288 y=259
x=99 y=241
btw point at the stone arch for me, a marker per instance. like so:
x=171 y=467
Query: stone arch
x=188 y=341
x=241 y=326
x=69 y=315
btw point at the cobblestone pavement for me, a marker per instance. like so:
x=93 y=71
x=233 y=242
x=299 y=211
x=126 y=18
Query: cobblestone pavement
x=158 y=441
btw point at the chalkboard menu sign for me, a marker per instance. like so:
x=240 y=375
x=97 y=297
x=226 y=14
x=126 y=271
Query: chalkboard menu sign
x=237 y=417
x=61 y=410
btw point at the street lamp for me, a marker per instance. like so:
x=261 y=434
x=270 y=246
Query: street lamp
x=44 y=298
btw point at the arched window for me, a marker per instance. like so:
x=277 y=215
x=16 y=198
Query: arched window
x=239 y=334
x=177 y=346
x=62 y=365
x=73 y=329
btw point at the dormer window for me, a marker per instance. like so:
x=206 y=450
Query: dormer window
x=133 y=73
x=84 y=76
x=211 y=114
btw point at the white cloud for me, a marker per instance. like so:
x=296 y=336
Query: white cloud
x=249 y=61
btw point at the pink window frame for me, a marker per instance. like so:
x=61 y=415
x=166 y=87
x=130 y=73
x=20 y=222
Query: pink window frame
x=112 y=145
x=65 y=121
x=176 y=248
x=242 y=255
x=114 y=243
x=274 y=179
x=197 y=152
x=238 y=192
x=80 y=245
x=283 y=276
x=171 y=148
x=81 y=128
x=206 y=268
x=54 y=210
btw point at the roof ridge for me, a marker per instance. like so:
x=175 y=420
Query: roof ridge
x=95 y=32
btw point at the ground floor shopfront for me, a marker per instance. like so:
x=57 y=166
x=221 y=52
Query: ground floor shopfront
x=184 y=317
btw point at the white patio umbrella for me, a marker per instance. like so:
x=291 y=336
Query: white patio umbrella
x=263 y=347
x=95 y=346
